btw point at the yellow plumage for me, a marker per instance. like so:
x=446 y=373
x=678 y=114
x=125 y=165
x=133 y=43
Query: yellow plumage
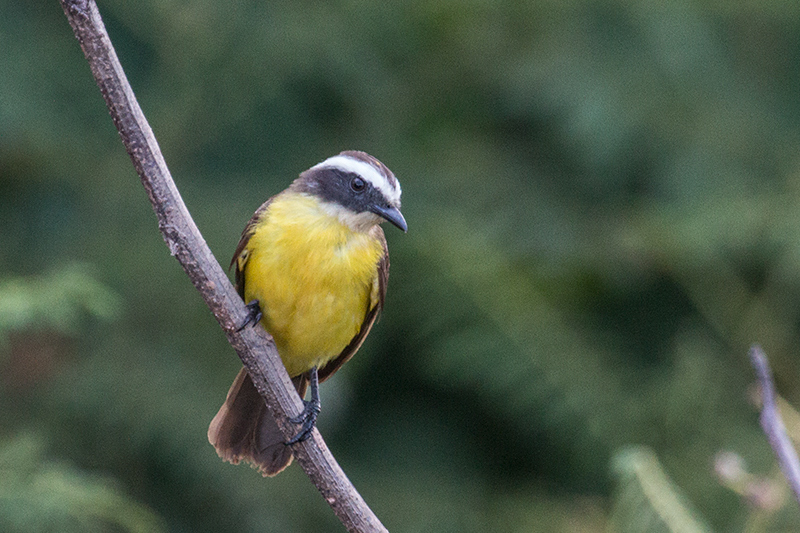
x=314 y=277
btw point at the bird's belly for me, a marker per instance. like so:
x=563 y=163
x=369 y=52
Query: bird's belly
x=312 y=326
x=314 y=298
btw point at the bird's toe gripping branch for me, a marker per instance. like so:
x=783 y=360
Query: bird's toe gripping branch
x=253 y=317
x=311 y=408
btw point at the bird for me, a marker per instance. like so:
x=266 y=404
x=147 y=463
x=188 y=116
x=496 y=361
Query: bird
x=312 y=264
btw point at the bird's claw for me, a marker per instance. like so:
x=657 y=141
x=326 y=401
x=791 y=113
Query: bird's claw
x=253 y=317
x=308 y=419
x=308 y=416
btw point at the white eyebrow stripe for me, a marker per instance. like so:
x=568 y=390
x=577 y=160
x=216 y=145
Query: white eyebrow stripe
x=368 y=172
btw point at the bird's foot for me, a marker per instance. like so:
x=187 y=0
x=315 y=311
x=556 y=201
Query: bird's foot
x=308 y=419
x=253 y=317
x=308 y=416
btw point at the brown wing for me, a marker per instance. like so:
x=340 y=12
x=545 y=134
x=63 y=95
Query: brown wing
x=383 y=278
x=240 y=255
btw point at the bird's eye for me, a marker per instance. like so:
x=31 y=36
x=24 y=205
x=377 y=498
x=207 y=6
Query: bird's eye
x=357 y=184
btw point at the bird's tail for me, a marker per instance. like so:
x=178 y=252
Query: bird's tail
x=243 y=429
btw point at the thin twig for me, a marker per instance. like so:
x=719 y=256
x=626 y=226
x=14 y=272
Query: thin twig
x=772 y=424
x=254 y=346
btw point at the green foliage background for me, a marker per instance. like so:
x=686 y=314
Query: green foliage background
x=603 y=202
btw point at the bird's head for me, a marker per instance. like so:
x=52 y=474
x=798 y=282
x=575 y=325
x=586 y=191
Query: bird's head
x=355 y=187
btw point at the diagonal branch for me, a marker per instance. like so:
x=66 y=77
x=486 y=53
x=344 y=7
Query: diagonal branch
x=253 y=345
x=772 y=424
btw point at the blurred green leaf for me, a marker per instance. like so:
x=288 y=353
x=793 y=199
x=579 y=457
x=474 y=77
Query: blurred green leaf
x=37 y=494
x=56 y=301
x=646 y=500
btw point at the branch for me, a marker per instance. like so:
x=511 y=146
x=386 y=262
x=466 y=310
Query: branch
x=253 y=345
x=772 y=424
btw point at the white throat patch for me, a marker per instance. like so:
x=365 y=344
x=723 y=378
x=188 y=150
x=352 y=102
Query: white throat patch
x=368 y=172
x=359 y=222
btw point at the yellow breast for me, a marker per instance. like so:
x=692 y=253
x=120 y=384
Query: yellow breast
x=314 y=277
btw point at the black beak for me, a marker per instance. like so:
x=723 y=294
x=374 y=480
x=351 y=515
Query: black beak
x=391 y=214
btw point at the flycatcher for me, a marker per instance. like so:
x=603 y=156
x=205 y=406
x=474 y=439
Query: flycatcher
x=313 y=264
